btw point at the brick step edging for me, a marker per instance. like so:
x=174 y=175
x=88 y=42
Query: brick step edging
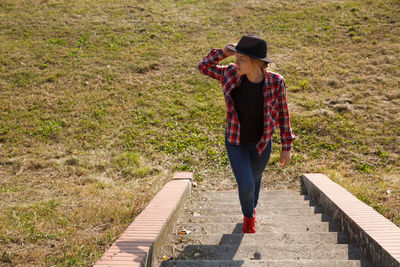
x=378 y=238
x=148 y=233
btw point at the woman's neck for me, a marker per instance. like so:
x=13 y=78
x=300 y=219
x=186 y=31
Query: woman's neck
x=256 y=76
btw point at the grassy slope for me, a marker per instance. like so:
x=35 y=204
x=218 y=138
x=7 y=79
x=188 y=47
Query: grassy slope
x=101 y=101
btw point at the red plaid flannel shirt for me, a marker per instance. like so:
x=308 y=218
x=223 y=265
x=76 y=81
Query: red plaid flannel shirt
x=275 y=107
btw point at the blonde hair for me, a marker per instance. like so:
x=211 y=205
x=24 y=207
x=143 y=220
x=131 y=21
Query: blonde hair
x=263 y=65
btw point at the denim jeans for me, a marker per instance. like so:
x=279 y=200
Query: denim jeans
x=248 y=168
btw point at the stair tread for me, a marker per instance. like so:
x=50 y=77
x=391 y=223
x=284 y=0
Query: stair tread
x=266 y=263
x=291 y=211
x=196 y=218
x=262 y=192
x=272 y=251
x=272 y=204
x=261 y=226
x=225 y=198
x=261 y=238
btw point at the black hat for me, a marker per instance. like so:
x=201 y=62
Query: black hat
x=253 y=46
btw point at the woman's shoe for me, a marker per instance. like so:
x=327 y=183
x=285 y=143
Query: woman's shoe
x=249 y=225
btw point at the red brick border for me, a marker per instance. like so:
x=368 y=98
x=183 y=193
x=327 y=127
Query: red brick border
x=378 y=238
x=138 y=245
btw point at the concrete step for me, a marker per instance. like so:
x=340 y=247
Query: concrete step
x=266 y=263
x=263 y=196
x=262 y=238
x=260 y=205
x=261 y=227
x=235 y=195
x=271 y=252
x=236 y=210
x=261 y=199
x=272 y=193
x=318 y=217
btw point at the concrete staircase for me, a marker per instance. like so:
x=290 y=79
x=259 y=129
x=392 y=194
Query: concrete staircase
x=291 y=231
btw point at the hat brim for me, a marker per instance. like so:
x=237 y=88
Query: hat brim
x=247 y=54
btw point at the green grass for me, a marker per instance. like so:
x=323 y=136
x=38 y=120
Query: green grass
x=101 y=101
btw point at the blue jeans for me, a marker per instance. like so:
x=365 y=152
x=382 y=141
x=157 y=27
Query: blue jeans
x=248 y=168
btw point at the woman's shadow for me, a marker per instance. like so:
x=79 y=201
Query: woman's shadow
x=214 y=252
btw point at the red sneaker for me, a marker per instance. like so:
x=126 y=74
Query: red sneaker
x=249 y=225
x=254 y=215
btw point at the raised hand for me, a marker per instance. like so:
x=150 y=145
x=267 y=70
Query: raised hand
x=228 y=49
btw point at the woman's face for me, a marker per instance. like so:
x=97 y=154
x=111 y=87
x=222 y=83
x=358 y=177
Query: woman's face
x=244 y=64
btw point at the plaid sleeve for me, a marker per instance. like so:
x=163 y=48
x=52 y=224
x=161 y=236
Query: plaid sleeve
x=287 y=136
x=208 y=65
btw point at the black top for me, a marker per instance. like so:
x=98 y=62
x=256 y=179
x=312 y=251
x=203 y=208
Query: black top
x=248 y=101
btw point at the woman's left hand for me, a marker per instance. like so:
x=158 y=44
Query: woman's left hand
x=285 y=158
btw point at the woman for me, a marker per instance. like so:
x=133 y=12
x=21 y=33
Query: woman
x=256 y=105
